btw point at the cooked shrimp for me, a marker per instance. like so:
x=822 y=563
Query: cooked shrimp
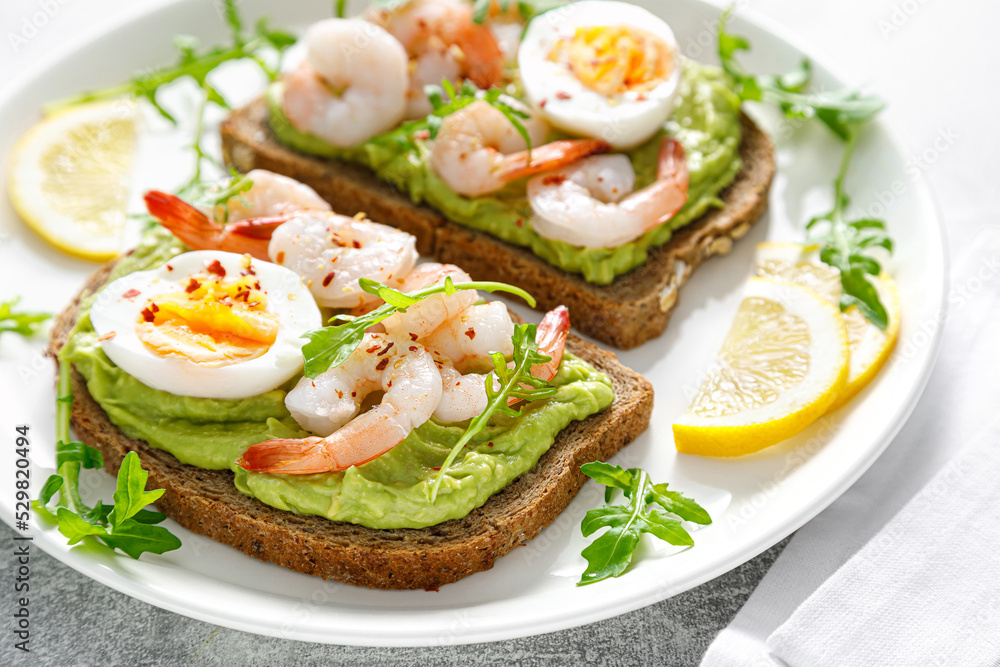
x=427 y=315
x=199 y=232
x=444 y=43
x=353 y=84
x=253 y=215
x=332 y=252
x=270 y=195
x=591 y=203
x=328 y=405
x=464 y=396
x=477 y=151
x=467 y=339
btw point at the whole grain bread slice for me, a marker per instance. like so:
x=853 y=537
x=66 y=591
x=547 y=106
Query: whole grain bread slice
x=626 y=313
x=207 y=502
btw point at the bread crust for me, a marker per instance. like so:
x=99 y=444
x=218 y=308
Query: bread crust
x=207 y=502
x=626 y=313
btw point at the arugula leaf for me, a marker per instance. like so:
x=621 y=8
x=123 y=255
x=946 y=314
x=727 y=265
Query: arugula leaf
x=131 y=495
x=25 y=324
x=515 y=382
x=136 y=538
x=842 y=111
x=124 y=525
x=849 y=247
x=651 y=508
x=331 y=346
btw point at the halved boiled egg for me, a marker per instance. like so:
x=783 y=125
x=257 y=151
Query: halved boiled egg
x=607 y=70
x=207 y=324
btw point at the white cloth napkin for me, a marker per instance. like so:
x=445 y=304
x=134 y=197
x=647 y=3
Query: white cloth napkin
x=860 y=586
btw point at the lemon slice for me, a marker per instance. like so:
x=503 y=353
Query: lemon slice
x=782 y=365
x=69 y=177
x=869 y=346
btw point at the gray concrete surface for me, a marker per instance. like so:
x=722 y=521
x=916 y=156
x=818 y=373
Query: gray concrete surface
x=77 y=621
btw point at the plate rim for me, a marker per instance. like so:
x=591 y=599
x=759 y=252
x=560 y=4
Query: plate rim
x=137 y=589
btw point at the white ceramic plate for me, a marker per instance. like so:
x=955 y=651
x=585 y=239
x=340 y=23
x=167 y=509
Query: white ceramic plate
x=755 y=501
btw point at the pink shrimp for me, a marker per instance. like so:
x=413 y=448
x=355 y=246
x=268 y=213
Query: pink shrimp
x=329 y=403
x=200 y=232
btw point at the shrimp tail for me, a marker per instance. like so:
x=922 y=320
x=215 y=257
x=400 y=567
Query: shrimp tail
x=200 y=232
x=483 y=57
x=286 y=456
x=550 y=156
x=185 y=221
x=671 y=163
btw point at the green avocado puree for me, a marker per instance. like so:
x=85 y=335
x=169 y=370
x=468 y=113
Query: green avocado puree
x=388 y=492
x=705 y=120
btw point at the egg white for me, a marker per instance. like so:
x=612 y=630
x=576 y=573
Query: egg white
x=287 y=298
x=554 y=91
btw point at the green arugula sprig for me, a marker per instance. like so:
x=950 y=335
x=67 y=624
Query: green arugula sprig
x=843 y=111
x=123 y=525
x=465 y=95
x=25 y=324
x=650 y=508
x=331 y=346
x=197 y=64
x=848 y=247
x=515 y=382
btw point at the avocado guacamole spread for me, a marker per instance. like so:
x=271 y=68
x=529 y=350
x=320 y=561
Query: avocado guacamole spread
x=705 y=120
x=388 y=492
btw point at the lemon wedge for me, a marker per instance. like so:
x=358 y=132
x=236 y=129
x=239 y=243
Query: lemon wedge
x=783 y=363
x=69 y=177
x=869 y=346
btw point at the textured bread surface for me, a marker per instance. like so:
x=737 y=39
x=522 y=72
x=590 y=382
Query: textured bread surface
x=207 y=502
x=626 y=313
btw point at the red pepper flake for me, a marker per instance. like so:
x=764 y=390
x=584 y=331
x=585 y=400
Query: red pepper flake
x=254 y=304
x=380 y=366
x=314 y=384
x=385 y=349
x=354 y=394
x=147 y=315
x=327 y=279
x=281 y=257
x=413 y=336
x=413 y=348
x=432 y=589
x=372 y=348
x=340 y=394
x=153 y=307
x=356 y=244
x=489 y=444
x=131 y=294
x=215 y=267
x=436 y=468
x=471 y=333
x=256 y=285
x=554 y=179
x=542 y=104
x=390 y=385
x=422 y=135
x=169 y=268
x=458 y=384
x=563 y=95
x=192 y=286
x=519 y=222
x=107 y=336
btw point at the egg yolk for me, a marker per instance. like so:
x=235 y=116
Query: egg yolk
x=213 y=322
x=613 y=60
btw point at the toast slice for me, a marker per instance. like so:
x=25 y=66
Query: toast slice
x=626 y=313
x=207 y=502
